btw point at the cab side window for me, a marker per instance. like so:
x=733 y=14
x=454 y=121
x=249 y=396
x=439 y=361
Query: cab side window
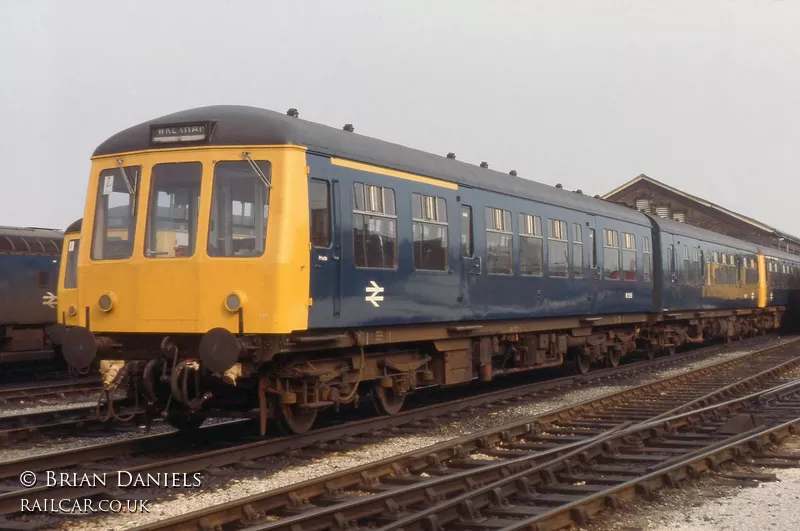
x=319 y=206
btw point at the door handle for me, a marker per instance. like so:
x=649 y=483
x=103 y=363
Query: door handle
x=480 y=266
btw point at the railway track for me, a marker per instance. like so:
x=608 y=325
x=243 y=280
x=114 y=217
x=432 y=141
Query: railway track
x=239 y=455
x=190 y=456
x=544 y=467
x=48 y=389
x=29 y=426
x=70 y=420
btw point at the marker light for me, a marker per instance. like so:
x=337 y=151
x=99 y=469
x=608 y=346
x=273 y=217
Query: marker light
x=72 y=311
x=106 y=301
x=234 y=301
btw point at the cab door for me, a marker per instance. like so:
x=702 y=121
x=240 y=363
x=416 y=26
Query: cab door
x=325 y=277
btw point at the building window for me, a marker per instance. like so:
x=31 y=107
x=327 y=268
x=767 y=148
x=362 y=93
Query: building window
x=611 y=254
x=499 y=242
x=680 y=217
x=374 y=226
x=628 y=256
x=531 y=248
x=557 y=249
x=577 y=250
x=646 y=258
x=467 y=247
x=663 y=212
x=644 y=205
x=429 y=215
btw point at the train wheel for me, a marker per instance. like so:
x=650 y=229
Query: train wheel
x=386 y=401
x=612 y=358
x=582 y=364
x=296 y=419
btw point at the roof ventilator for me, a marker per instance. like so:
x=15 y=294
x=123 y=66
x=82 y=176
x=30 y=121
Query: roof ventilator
x=484 y=164
x=349 y=128
x=293 y=113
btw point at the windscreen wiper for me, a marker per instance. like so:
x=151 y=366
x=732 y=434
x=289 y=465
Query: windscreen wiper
x=131 y=189
x=256 y=169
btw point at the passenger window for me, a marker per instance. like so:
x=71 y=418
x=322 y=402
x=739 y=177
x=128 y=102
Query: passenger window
x=115 y=213
x=672 y=262
x=42 y=279
x=319 y=205
x=686 y=265
x=593 y=254
x=71 y=267
x=646 y=264
x=531 y=248
x=577 y=250
x=374 y=227
x=429 y=232
x=499 y=242
x=628 y=256
x=467 y=249
x=557 y=249
x=611 y=254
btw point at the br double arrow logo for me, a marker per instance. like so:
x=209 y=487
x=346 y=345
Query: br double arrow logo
x=374 y=291
x=51 y=300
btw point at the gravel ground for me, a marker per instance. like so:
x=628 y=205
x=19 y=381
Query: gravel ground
x=280 y=471
x=706 y=504
x=39 y=407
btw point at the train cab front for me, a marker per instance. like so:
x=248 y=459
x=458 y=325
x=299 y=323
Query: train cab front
x=191 y=257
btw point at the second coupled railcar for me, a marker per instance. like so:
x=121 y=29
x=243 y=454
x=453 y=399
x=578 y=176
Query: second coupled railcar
x=251 y=262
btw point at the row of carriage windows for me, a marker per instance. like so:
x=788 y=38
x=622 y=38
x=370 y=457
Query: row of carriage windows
x=375 y=242
x=375 y=237
x=29 y=245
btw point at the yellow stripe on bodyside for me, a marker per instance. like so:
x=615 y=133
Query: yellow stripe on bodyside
x=393 y=173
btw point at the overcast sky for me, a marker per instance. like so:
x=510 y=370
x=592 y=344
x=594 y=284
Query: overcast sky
x=703 y=95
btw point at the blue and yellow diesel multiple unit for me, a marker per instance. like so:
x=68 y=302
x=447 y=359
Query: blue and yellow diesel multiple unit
x=253 y=262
